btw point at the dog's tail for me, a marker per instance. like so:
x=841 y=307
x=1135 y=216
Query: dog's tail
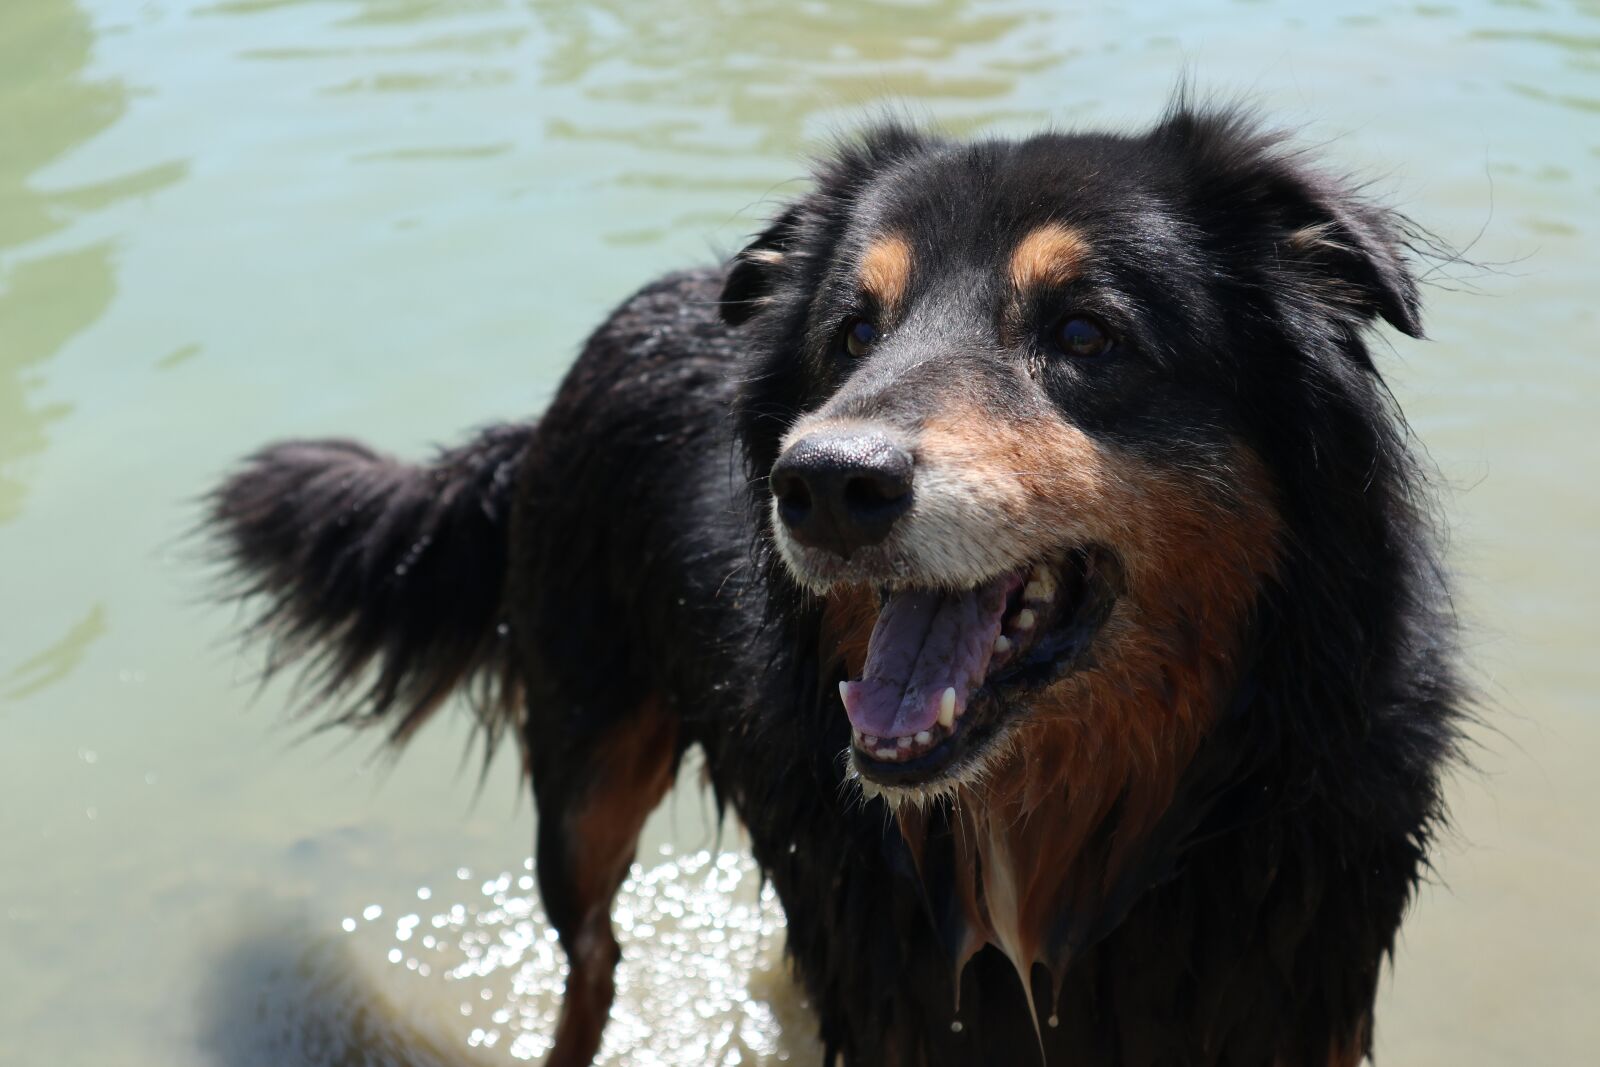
x=381 y=580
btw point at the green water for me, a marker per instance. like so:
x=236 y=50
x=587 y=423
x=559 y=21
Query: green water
x=226 y=222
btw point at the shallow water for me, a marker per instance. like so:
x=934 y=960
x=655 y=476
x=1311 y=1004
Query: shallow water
x=223 y=222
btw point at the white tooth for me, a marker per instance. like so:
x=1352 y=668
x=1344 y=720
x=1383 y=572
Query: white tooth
x=1025 y=619
x=869 y=740
x=1002 y=645
x=923 y=737
x=903 y=743
x=947 y=708
x=1042 y=585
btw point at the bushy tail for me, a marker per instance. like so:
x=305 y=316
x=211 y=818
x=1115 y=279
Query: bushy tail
x=382 y=581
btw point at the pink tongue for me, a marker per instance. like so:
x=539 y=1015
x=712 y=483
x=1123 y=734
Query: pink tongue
x=924 y=643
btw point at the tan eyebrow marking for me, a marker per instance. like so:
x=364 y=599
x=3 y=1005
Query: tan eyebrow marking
x=1050 y=255
x=886 y=270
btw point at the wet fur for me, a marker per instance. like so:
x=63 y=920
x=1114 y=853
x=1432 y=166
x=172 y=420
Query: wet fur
x=1196 y=851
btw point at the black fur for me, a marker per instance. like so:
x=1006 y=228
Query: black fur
x=632 y=564
x=367 y=562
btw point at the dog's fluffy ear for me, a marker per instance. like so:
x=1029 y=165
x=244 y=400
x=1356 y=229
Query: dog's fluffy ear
x=1341 y=250
x=1359 y=245
x=750 y=277
x=839 y=179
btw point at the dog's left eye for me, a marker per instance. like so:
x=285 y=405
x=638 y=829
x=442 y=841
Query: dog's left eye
x=1080 y=335
x=859 y=336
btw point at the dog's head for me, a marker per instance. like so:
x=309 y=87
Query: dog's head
x=1010 y=410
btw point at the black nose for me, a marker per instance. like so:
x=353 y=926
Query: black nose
x=842 y=489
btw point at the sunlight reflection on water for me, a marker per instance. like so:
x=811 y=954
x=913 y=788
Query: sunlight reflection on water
x=702 y=980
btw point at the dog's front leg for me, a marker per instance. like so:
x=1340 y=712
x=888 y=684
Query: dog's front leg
x=594 y=791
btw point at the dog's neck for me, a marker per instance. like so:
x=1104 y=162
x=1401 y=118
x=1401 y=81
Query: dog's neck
x=1065 y=827
x=1047 y=844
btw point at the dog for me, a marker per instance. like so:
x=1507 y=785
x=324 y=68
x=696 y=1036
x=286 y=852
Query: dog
x=1027 y=537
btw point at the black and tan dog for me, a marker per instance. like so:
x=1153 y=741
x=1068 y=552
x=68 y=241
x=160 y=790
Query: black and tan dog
x=1041 y=494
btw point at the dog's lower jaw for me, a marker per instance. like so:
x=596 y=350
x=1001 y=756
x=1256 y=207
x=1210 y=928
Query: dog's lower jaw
x=968 y=775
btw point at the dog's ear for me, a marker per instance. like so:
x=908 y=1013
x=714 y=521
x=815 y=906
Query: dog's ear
x=750 y=276
x=1353 y=245
x=840 y=179
x=1339 y=249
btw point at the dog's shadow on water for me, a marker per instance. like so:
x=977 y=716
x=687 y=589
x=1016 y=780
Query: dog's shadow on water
x=286 y=997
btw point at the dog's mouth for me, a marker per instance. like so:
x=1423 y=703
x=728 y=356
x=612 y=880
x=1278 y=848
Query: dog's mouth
x=945 y=671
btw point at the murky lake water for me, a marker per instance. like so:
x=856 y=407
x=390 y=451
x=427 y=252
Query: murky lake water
x=223 y=222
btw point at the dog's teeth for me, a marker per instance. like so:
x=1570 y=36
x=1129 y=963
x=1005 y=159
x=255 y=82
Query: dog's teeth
x=903 y=742
x=1002 y=645
x=869 y=740
x=947 y=708
x=1045 y=579
x=844 y=693
x=1026 y=618
x=923 y=737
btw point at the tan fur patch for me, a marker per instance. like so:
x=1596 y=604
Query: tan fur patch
x=1319 y=235
x=767 y=257
x=640 y=757
x=1353 y=1049
x=1349 y=1051
x=1113 y=739
x=847 y=620
x=1050 y=255
x=886 y=270
x=635 y=774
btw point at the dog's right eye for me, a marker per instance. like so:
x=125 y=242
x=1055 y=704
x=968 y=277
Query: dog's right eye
x=859 y=336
